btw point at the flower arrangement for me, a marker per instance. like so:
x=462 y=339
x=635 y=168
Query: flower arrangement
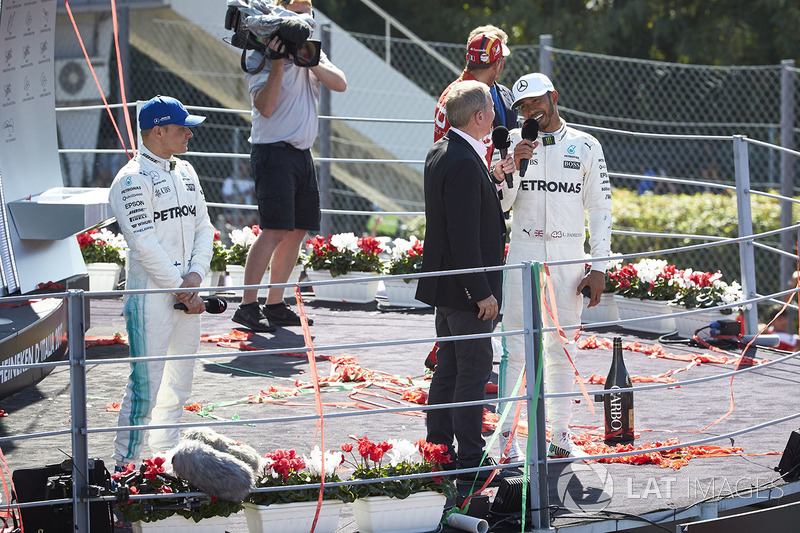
x=398 y=458
x=151 y=478
x=343 y=253
x=406 y=257
x=654 y=279
x=219 y=254
x=241 y=241
x=704 y=289
x=102 y=246
x=284 y=467
x=649 y=279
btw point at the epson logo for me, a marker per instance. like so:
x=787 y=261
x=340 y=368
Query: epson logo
x=137 y=203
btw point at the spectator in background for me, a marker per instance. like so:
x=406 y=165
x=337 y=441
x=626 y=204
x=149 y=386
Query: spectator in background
x=239 y=188
x=285 y=102
x=486 y=55
x=646 y=186
x=781 y=326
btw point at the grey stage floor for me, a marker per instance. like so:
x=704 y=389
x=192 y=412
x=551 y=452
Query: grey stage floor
x=226 y=383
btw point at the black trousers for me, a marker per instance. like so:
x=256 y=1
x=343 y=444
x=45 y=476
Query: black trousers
x=462 y=370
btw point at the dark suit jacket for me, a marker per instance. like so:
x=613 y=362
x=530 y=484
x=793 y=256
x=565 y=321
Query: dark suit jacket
x=464 y=226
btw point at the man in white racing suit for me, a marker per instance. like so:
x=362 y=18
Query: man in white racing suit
x=566 y=179
x=160 y=208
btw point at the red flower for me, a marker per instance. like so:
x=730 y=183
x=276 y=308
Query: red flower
x=284 y=462
x=256 y=229
x=416 y=249
x=129 y=469
x=347 y=448
x=155 y=466
x=217 y=234
x=369 y=245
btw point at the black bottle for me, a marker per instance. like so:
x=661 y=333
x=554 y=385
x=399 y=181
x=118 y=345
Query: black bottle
x=618 y=406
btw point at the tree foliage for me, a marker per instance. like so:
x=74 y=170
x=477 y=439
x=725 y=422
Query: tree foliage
x=713 y=32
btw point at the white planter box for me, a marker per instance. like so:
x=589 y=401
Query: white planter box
x=357 y=293
x=605 y=311
x=660 y=312
x=401 y=294
x=418 y=513
x=688 y=324
x=103 y=276
x=295 y=517
x=212 y=281
x=179 y=524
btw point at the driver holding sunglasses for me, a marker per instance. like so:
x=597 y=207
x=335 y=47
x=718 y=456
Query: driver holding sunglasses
x=285 y=99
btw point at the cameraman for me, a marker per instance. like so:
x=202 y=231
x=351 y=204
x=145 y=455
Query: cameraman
x=285 y=98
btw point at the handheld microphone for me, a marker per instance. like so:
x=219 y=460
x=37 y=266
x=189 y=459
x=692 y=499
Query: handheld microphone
x=214 y=306
x=530 y=130
x=502 y=140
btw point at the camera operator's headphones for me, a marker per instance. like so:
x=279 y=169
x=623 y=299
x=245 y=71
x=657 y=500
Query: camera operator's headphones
x=292 y=33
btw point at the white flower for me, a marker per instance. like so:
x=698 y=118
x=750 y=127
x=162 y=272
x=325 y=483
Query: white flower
x=613 y=264
x=648 y=270
x=732 y=293
x=345 y=241
x=243 y=237
x=265 y=466
x=314 y=461
x=114 y=240
x=402 y=451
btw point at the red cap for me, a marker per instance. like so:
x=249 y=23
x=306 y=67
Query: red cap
x=486 y=48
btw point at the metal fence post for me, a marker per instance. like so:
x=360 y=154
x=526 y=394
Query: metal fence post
x=787 y=167
x=741 y=166
x=325 y=142
x=537 y=458
x=545 y=55
x=78 y=416
x=388 y=45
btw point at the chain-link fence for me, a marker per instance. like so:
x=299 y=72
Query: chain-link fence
x=595 y=90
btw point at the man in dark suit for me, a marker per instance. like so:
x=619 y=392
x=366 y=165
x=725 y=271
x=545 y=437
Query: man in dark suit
x=465 y=228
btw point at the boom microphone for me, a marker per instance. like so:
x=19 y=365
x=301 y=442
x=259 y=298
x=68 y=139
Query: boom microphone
x=214 y=306
x=530 y=130
x=502 y=140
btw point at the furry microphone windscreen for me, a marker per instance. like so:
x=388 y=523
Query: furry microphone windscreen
x=224 y=444
x=216 y=473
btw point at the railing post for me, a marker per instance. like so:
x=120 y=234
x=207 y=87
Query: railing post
x=741 y=165
x=387 y=48
x=545 y=55
x=537 y=450
x=324 y=139
x=80 y=446
x=787 y=167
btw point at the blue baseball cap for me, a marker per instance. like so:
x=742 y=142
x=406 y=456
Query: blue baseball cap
x=164 y=110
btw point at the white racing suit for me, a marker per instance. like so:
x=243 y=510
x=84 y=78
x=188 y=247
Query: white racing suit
x=162 y=214
x=566 y=179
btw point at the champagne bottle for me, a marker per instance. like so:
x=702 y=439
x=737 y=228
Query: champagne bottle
x=618 y=406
